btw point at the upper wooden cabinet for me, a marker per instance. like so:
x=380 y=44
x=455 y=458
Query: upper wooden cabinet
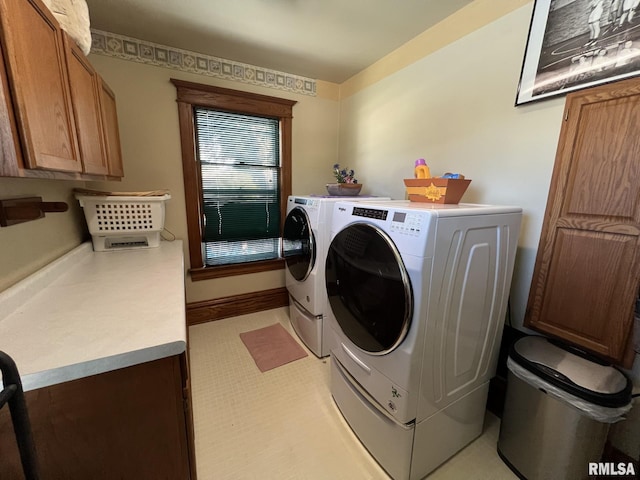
x=587 y=270
x=54 y=95
x=34 y=53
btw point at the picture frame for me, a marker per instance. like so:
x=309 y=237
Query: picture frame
x=576 y=44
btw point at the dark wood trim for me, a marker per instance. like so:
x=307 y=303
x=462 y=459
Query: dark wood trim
x=190 y=94
x=286 y=141
x=206 y=273
x=191 y=179
x=233 y=100
x=219 y=308
x=185 y=376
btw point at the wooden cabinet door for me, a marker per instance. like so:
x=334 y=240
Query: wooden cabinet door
x=85 y=98
x=34 y=54
x=124 y=424
x=587 y=269
x=110 y=126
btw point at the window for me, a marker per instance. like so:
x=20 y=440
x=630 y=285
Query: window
x=239 y=157
x=236 y=152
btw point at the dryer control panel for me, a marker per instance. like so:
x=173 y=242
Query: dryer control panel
x=304 y=201
x=402 y=222
x=407 y=223
x=370 y=213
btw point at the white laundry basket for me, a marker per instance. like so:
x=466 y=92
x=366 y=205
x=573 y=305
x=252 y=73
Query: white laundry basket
x=120 y=222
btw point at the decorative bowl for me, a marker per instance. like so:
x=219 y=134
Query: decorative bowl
x=344 y=189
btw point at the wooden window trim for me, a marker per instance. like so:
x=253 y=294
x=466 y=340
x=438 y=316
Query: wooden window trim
x=191 y=94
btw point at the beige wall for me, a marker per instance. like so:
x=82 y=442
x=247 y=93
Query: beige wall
x=27 y=247
x=449 y=103
x=148 y=119
x=455 y=108
x=385 y=121
x=452 y=104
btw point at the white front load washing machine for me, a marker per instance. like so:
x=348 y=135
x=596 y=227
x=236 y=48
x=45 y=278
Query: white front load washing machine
x=304 y=247
x=417 y=296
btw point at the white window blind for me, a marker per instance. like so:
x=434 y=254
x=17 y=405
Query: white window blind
x=239 y=158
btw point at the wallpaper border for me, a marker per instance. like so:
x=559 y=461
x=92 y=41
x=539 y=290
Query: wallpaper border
x=141 y=51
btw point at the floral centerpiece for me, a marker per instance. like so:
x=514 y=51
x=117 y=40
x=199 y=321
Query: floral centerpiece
x=343 y=175
x=347 y=184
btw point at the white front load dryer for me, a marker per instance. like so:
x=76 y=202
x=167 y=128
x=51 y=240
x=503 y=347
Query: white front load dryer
x=417 y=295
x=305 y=240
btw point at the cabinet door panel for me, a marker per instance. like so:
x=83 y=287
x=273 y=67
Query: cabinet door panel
x=602 y=180
x=587 y=270
x=84 y=84
x=586 y=290
x=110 y=125
x=36 y=64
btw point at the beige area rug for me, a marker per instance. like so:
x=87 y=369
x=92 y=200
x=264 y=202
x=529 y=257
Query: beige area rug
x=272 y=347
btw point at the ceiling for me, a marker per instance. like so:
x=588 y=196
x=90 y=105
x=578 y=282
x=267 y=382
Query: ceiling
x=329 y=40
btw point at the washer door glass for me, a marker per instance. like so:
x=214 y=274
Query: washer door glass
x=368 y=287
x=298 y=244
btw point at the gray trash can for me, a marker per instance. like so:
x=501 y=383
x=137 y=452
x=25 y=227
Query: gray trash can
x=558 y=408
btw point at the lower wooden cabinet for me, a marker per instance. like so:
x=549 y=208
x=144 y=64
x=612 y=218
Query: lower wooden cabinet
x=132 y=423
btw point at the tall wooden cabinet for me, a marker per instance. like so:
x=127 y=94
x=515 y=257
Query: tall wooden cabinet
x=587 y=269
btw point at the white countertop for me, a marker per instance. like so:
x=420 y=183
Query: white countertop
x=92 y=312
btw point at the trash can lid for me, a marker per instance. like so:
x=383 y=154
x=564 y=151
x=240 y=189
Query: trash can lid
x=573 y=370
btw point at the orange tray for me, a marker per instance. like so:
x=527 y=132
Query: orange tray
x=436 y=190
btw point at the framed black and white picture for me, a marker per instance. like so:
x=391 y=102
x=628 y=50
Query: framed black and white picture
x=574 y=44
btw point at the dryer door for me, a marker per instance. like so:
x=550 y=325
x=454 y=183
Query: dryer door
x=298 y=244
x=368 y=287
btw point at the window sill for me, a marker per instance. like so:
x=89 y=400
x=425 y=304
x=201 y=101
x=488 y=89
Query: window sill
x=206 y=273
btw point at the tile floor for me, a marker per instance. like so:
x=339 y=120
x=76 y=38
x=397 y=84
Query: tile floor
x=283 y=424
